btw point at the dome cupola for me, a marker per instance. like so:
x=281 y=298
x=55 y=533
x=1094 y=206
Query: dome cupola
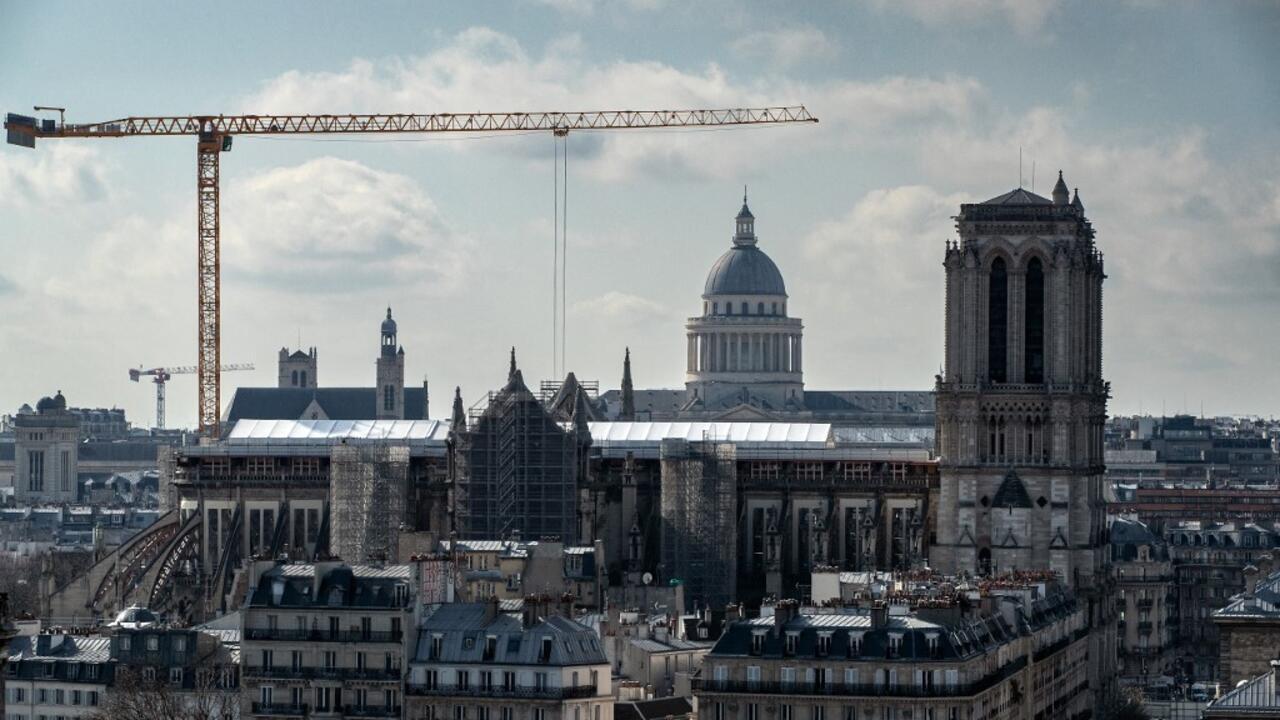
x=744 y=269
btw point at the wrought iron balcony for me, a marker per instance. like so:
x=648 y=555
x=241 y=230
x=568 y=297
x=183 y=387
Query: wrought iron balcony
x=279 y=709
x=371 y=711
x=351 y=636
x=704 y=685
x=321 y=673
x=503 y=692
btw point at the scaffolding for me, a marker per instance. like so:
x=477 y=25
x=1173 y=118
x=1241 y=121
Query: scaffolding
x=699 y=520
x=367 y=488
x=517 y=471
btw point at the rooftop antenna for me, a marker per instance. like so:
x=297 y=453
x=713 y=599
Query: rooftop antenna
x=1019 y=167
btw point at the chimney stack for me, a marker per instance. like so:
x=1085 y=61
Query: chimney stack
x=491 y=609
x=879 y=614
x=782 y=613
x=1251 y=575
x=532 y=610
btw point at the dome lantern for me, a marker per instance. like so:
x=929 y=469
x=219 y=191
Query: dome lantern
x=745 y=233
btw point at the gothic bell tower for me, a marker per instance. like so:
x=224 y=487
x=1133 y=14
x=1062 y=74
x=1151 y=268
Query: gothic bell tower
x=390 y=399
x=1021 y=402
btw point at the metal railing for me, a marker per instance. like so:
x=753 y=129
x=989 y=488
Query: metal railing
x=310 y=673
x=859 y=689
x=281 y=709
x=504 y=692
x=382 y=636
x=371 y=711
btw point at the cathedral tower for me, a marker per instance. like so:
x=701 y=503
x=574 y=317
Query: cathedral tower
x=390 y=400
x=1021 y=403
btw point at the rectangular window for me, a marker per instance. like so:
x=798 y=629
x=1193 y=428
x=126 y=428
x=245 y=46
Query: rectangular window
x=64 y=469
x=35 y=470
x=175 y=676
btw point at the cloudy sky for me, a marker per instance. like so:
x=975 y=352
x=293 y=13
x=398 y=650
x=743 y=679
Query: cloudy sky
x=1164 y=115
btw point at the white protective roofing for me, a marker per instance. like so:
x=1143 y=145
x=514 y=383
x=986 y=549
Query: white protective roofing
x=641 y=433
x=419 y=431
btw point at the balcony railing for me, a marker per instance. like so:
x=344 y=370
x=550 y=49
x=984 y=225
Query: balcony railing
x=279 y=709
x=371 y=711
x=502 y=692
x=703 y=685
x=384 y=636
x=320 y=673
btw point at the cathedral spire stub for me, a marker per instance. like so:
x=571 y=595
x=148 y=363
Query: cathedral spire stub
x=511 y=369
x=628 y=390
x=458 y=421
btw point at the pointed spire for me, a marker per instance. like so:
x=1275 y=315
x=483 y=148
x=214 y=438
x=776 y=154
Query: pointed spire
x=511 y=371
x=458 y=421
x=581 y=415
x=744 y=224
x=628 y=391
x=1060 y=193
x=1075 y=201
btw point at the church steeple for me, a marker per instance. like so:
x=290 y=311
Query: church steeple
x=745 y=233
x=628 y=411
x=511 y=369
x=388 y=335
x=458 y=421
x=1061 y=195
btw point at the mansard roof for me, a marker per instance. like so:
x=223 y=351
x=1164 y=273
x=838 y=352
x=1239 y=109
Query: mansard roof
x=338 y=403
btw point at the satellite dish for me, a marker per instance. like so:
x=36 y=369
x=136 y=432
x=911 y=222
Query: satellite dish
x=647 y=578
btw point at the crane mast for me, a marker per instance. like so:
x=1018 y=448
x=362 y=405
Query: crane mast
x=214 y=134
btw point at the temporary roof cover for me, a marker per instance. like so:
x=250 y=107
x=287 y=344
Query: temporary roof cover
x=639 y=433
x=411 y=431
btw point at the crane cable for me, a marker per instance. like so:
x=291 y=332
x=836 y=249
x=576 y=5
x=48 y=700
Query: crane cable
x=559 y=253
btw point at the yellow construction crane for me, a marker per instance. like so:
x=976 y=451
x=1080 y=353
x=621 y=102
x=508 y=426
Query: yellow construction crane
x=161 y=375
x=214 y=134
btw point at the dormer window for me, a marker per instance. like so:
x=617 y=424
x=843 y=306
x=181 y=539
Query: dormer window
x=490 y=647
x=895 y=644
x=437 y=646
x=824 y=643
x=792 y=640
x=855 y=644
x=934 y=647
x=757 y=643
x=544 y=655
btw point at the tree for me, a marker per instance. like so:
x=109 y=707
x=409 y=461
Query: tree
x=1126 y=705
x=137 y=696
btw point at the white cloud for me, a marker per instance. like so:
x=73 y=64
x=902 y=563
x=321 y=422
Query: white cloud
x=481 y=69
x=333 y=226
x=786 y=46
x=1026 y=16
x=55 y=172
x=614 y=307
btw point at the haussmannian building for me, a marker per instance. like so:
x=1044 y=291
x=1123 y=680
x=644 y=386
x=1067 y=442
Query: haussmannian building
x=325 y=639
x=475 y=662
x=1018 y=652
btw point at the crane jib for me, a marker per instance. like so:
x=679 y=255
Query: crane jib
x=215 y=132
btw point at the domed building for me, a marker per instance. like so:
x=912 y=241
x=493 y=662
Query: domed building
x=744 y=351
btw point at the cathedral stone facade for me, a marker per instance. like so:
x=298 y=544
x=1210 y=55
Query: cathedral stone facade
x=1021 y=403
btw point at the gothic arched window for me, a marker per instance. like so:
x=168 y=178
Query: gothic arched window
x=302 y=378
x=998 y=323
x=1033 y=331
x=294 y=378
